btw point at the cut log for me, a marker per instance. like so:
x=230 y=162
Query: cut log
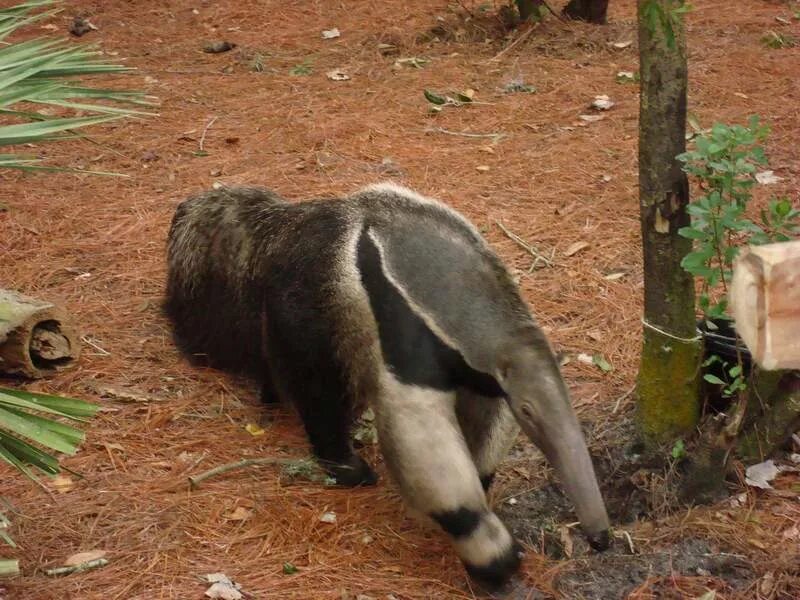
x=765 y=302
x=36 y=337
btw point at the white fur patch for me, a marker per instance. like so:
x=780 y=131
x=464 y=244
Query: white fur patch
x=490 y=541
x=389 y=187
x=423 y=444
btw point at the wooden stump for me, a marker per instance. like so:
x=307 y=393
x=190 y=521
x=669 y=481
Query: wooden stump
x=36 y=337
x=765 y=301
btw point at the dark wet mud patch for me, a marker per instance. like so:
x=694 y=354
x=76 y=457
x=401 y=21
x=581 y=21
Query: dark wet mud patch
x=616 y=573
x=538 y=516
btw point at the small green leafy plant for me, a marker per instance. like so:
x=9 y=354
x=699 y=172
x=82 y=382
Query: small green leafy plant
x=776 y=40
x=734 y=380
x=304 y=69
x=666 y=16
x=724 y=162
x=678 y=450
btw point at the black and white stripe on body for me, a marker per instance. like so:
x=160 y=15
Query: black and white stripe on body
x=386 y=298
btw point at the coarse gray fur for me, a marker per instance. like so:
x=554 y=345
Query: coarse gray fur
x=287 y=293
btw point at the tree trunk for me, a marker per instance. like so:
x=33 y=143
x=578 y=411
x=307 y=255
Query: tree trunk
x=529 y=9
x=593 y=11
x=775 y=410
x=669 y=375
x=36 y=338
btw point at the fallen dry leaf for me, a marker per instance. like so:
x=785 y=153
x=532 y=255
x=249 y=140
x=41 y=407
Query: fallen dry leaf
x=738 y=500
x=761 y=474
x=566 y=540
x=62 y=483
x=757 y=543
x=223 y=591
x=254 y=429
x=793 y=533
x=767 y=583
x=576 y=247
x=240 y=513
x=84 y=557
x=337 y=75
x=222 y=587
x=614 y=275
x=601 y=102
x=767 y=178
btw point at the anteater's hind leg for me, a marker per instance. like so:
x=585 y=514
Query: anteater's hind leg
x=303 y=369
x=429 y=458
x=489 y=428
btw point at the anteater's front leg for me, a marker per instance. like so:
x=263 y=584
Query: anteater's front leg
x=426 y=452
x=304 y=370
x=489 y=428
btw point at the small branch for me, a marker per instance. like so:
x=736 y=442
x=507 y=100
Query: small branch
x=195 y=481
x=103 y=352
x=495 y=136
x=515 y=43
x=92 y=564
x=465 y=9
x=526 y=246
x=552 y=12
x=621 y=398
x=205 y=130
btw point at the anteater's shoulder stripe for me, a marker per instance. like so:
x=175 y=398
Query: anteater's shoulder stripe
x=413 y=346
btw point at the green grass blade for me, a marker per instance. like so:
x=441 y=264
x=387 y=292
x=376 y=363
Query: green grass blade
x=30 y=454
x=12 y=401
x=14 y=24
x=100 y=108
x=69 y=407
x=9 y=567
x=70 y=434
x=27 y=428
x=46 y=130
x=11 y=459
x=4 y=524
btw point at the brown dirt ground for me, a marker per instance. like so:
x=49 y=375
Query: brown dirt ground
x=96 y=245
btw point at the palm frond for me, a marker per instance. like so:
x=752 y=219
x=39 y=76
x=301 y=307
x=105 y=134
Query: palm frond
x=27 y=422
x=45 y=71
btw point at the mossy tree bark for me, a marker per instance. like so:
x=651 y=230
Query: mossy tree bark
x=593 y=11
x=669 y=375
x=773 y=414
x=529 y=9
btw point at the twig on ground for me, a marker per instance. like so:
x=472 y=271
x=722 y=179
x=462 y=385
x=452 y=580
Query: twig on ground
x=103 y=352
x=91 y=564
x=195 y=481
x=205 y=130
x=552 y=12
x=621 y=398
x=495 y=136
x=525 y=246
x=465 y=9
x=522 y=37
